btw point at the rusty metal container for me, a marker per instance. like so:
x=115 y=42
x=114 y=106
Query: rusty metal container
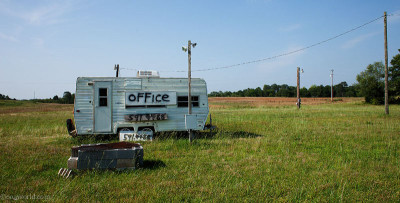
x=121 y=155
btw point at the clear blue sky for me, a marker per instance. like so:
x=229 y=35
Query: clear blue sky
x=46 y=45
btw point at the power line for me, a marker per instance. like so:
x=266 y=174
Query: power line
x=393 y=14
x=292 y=52
x=283 y=54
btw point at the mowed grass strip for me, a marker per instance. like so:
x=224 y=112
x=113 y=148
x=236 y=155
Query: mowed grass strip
x=327 y=152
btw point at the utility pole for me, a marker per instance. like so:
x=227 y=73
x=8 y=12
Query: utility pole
x=190 y=86
x=386 y=67
x=190 y=78
x=332 y=85
x=116 y=67
x=189 y=50
x=298 y=88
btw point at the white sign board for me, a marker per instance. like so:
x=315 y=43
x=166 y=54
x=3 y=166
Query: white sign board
x=132 y=136
x=149 y=98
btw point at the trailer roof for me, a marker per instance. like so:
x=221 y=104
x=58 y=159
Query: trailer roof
x=136 y=78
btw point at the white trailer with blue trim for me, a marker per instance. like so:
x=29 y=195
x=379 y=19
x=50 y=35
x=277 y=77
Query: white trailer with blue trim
x=136 y=107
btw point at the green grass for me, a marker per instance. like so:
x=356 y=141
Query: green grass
x=330 y=152
x=7 y=103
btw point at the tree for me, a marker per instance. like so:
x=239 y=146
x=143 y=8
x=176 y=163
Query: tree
x=340 y=89
x=352 y=91
x=315 y=91
x=371 y=83
x=283 y=91
x=326 y=91
x=394 y=77
x=5 y=97
x=68 y=98
x=258 y=92
x=275 y=89
x=304 y=92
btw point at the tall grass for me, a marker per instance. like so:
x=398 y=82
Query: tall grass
x=330 y=152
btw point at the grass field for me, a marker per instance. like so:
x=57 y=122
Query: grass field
x=345 y=151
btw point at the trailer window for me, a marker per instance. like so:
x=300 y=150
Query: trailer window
x=183 y=101
x=103 y=96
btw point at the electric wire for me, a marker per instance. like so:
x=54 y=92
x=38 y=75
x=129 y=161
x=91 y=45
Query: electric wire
x=283 y=54
x=292 y=52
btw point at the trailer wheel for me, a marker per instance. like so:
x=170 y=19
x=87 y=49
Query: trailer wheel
x=71 y=128
x=148 y=132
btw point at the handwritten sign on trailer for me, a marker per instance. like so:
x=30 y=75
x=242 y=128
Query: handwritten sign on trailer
x=140 y=98
x=146 y=117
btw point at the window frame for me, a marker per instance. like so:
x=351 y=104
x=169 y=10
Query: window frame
x=103 y=97
x=182 y=101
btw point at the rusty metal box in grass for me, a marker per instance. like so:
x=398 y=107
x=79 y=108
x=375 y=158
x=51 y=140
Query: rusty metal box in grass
x=122 y=155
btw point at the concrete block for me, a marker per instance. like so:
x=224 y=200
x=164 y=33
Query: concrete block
x=72 y=163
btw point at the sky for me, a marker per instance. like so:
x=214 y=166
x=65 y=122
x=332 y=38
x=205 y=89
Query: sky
x=46 y=44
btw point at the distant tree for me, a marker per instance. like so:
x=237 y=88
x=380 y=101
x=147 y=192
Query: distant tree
x=394 y=77
x=68 y=98
x=304 y=92
x=240 y=93
x=258 y=92
x=352 y=91
x=292 y=91
x=326 y=91
x=250 y=92
x=283 y=91
x=268 y=91
x=314 y=91
x=56 y=98
x=274 y=90
x=371 y=83
x=5 y=97
x=340 y=89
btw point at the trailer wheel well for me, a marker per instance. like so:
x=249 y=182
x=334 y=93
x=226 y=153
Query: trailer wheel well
x=149 y=127
x=126 y=128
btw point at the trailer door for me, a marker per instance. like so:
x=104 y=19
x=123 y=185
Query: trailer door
x=102 y=107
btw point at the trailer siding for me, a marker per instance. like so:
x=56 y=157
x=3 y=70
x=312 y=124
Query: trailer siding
x=84 y=102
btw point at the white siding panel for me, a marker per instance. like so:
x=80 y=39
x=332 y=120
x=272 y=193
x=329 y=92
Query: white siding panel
x=176 y=116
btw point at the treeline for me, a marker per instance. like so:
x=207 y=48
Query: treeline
x=5 y=97
x=371 y=86
x=340 y=90
x=67 y=98
x=372 y=82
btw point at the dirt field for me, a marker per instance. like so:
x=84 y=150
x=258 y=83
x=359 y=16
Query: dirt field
x=32 y=107
x=220 y=102
x=214 y=102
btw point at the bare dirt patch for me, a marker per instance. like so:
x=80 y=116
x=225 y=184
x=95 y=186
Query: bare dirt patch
x=39 y=107
x=220 y=102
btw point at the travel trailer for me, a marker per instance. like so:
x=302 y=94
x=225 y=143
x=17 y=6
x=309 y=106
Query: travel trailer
x=137 y=107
